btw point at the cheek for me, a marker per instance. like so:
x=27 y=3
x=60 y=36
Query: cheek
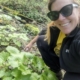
x=75 y=15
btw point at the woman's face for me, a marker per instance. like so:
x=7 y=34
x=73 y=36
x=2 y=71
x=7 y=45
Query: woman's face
x=65 y=24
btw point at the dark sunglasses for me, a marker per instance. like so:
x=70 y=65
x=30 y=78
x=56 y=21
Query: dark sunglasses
x=65 y=11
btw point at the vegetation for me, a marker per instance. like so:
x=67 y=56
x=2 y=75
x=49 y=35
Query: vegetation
x=32 y=29
x=15 y=63
x=34 y=9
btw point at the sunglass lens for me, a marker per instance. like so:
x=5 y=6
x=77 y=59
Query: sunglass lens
x=53 y=15
x=67 y=10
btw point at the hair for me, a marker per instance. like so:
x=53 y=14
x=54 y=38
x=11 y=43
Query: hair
x=77 y=1
x=47 y=36
x=52 y=1
x=50 y=4
x=51 y=24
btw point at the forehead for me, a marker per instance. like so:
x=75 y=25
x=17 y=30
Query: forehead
x=58 y=4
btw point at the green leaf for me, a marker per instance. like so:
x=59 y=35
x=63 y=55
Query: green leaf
x=43 y=76
x=38 y=63
x=16 y=72
x=16 y=57
x=34 y=76
x=7 y=39
x=12 y=50
x=7 y=72
x=1 y=61
x=28 y=54
x=16 y=42
x=51 y=75
x=7 y=78
x=11 y=28
x=7 y=17
x=26 y=77
x=4 y=56
x=17 y=17
x=24 y=37
x=24 y=70
x=4 y=43
x=15 y=60
x=2 y=72
x=13 y=64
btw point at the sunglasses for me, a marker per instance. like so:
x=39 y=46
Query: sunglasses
x=65 y=11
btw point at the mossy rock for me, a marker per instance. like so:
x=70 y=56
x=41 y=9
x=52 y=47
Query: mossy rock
x=32 y=29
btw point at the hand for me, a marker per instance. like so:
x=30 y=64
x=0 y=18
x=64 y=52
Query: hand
x=28 y=47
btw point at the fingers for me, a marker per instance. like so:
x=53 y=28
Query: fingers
x=26 y=49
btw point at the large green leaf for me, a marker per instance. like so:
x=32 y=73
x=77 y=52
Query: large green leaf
x=12 y=50
x=7 y=78
x=50 y=75
x=4 y=56
x=16 y=72
x=34 y=76
x=15 y=60
x=24 y=77
x=7 y=72
x=2 y=72
x=17 y=42
x=28 y=54
x=38 y=64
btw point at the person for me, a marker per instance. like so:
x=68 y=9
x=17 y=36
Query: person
x=66 y=17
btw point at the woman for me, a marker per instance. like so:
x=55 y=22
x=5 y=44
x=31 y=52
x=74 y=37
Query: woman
x=66 y=17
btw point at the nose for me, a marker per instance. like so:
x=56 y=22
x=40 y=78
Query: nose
x=61 y=17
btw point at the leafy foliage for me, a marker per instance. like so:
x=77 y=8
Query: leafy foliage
x=10 y=36
x=16 y=64
x=34 y=9
x=32 y=29
x=20 y=65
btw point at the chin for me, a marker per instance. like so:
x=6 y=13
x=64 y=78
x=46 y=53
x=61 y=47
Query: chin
x=67 y=32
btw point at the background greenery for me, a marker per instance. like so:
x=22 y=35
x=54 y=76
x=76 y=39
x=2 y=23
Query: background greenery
x=15 y=32
x=34 y=9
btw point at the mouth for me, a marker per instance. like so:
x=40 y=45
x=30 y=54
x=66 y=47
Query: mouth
x=65 y=24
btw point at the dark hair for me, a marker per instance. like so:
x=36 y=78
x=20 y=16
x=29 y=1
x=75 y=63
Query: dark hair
x=50 y=4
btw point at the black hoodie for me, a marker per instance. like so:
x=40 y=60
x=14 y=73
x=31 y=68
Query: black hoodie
x=70 y=52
